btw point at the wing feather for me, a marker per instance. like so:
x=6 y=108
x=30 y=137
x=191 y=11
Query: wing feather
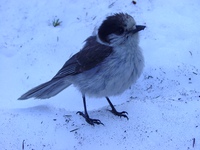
x=92 y=54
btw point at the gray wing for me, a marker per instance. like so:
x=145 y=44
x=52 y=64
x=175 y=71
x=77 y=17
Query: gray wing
x=90 y=56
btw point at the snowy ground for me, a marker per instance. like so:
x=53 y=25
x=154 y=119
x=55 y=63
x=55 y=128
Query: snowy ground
x=163 y=105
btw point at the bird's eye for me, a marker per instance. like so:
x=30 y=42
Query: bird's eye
x=119 y=31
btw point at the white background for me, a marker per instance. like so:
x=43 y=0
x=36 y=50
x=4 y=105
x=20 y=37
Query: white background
x=163 y=105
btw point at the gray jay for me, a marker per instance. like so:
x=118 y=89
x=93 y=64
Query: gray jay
x=109 y=63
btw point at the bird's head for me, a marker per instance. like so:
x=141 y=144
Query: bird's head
x=118 y=28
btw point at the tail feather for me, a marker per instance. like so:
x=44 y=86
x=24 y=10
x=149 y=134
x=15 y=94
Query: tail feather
x=46 y=90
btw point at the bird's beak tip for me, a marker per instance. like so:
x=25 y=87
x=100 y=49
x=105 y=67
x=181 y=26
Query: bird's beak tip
x=140 y=27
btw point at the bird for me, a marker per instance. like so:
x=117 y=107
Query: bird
x=107 y=65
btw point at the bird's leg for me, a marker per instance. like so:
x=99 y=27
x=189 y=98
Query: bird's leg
x=86 y=116
x=115 y=112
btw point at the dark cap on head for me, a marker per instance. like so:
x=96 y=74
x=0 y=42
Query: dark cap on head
x=112 y=24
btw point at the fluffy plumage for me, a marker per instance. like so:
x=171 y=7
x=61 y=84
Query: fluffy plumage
x=107 y=65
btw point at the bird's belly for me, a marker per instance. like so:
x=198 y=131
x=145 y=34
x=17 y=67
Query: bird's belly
x=105 y=80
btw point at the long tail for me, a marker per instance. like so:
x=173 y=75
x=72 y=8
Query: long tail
x=46 y=90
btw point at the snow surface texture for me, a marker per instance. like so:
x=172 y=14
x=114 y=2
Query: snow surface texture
x=163 y=105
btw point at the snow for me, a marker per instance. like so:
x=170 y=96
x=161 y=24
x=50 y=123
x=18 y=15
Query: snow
x=163 y=105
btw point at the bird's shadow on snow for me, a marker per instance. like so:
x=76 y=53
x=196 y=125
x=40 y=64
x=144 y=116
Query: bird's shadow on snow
x=36 y=109
x=62 y=116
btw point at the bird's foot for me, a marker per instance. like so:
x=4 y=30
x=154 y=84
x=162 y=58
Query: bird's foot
x=120 y=114
x=89 y=120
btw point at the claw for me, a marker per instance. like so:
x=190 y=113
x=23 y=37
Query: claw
x=115 y=112
x=89 y=120
x=120 y=114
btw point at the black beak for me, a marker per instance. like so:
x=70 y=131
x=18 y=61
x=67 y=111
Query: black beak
x=138 y=28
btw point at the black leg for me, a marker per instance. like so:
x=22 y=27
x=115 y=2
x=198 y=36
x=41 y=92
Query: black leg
x=86 y=116
x=115 y=112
